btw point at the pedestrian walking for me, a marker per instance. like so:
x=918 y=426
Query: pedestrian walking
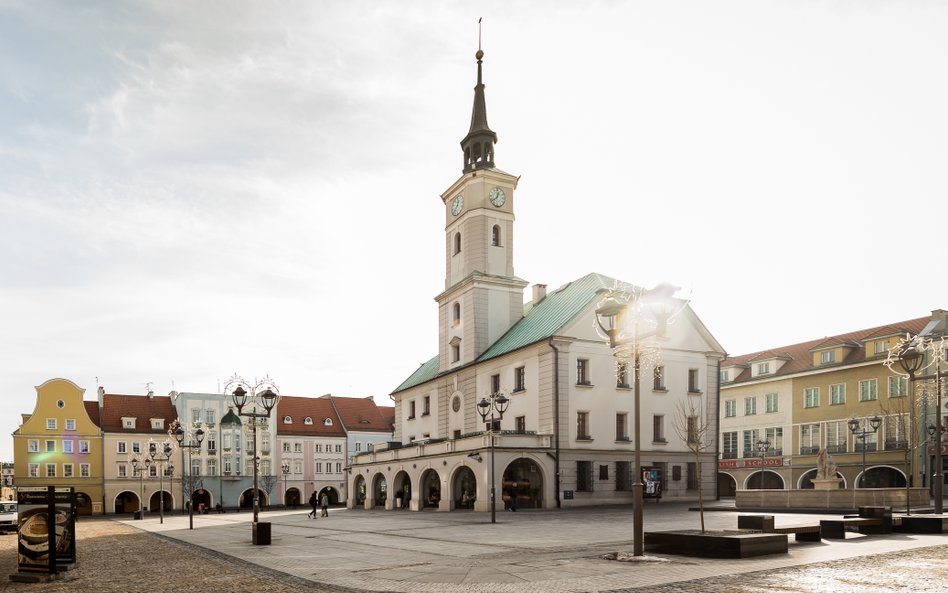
x=313 y=502
x=324 y=503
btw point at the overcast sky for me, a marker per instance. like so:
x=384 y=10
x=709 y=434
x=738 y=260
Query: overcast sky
x=193 y=189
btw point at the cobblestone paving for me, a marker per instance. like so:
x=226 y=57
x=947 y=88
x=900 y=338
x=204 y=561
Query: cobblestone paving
x=117 y=558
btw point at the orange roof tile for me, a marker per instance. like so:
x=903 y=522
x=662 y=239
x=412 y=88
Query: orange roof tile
x=362 y=414
x=141 y=407
x=301 y=408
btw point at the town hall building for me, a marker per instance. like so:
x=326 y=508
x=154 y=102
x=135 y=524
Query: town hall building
x=566 y=435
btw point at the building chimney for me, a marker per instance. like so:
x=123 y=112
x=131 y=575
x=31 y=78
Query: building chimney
x=151 y=394
x=539 y=293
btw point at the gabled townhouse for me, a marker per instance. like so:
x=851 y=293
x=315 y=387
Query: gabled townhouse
x=366 y=423
x=312 y=444
x=60 y=444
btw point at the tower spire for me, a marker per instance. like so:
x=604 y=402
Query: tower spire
x=478 y=145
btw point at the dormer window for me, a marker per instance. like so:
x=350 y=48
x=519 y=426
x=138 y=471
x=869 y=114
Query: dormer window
x=128 y=423
x=308 y=420
x=327 y=422
x=827 y=356
x=763 y=368
x=157 y=424
x=725 y=376
x=287 y=420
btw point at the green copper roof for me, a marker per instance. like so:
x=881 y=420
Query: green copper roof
x=231 y=418
x=539 y=322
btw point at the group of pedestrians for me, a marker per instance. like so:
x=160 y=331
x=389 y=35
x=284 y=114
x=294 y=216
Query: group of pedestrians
x=318 y=502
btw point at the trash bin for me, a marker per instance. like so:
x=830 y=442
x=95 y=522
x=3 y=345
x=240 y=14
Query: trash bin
x=261 y=534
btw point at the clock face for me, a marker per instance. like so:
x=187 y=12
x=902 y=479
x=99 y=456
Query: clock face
x=457 y=205
x=497 y=197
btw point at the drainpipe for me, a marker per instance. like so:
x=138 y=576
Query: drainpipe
x=556 y=420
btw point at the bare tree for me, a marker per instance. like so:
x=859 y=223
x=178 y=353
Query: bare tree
x=268 y=482
x=695 y=429
x=899 y=414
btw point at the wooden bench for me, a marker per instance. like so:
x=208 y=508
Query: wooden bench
x=836 y=528
x=765 y=524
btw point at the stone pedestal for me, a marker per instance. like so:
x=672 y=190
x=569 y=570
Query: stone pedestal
x=827 y=484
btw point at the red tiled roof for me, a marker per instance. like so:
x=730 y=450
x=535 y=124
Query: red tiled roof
x=141 y=407
x=801 y=359
x=315 y=408
x=362 y=414
x=92 y=409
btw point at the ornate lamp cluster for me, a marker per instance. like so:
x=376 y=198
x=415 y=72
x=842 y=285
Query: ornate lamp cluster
x=494 y=406
x=633 y=319
x=194 y=440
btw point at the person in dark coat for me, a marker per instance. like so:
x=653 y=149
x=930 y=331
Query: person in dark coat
x=314 y=503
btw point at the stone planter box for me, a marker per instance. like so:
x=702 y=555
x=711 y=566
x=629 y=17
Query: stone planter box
x=712 y=544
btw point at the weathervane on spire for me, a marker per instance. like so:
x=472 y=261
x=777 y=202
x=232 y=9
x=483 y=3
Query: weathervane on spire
x=478 y=145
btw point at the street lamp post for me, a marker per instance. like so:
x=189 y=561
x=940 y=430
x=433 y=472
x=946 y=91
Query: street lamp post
x=910 y=360
x=619 y=317
x=762 y=447
x=263 y=395
x=286 y=470
x=494 y=405
x=194 y=442
x=910 y=354
x=862 y=433
x=161 y=460
x=140 y=466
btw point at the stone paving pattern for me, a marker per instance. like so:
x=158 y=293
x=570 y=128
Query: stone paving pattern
x=541 y=551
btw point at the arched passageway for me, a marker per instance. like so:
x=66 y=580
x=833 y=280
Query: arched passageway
x=523 y=484
x=379 y=489
x=291 y=498
x=401 y=487
x=331 y=492
x=806 y=480
x=464 y=488
x=359 y=491
x=727 y=485
x=430 y=489
x=764 y=480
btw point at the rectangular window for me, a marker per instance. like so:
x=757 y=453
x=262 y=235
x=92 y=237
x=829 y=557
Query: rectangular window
x=50 y=470
x=50 y=424
x=211 y=441
x=898 y=386
x=811 y=397
x=32 y=446
x=623 y=476
x=520 y=422
x=772 y=402
x=520 y=379
x=286 y=447
x=622 y=374
x=211 y=468
x=122 y=447
x=867 y=390
x=693 y=381
x=896 y=429
x=871 y=440
x=338 y=468
x=582 y=372
x=725 y=376
x=750 y=443
x=196 y=467
x=495 y=383
x=836 y=435
x=584 y=481
x=84 y=447
x=84 y=470
x=195 y=415
x=297 y=447
x=67 y=446
x=730 y=408
x=809 y=439
x=837 y=394
x=582 y=426
x=622 y=427
x=50 y=446
x=774 y=436
x=658 y=378
x=750 y=405
x=411 y=409
x=763 y=368
x=358 y=446
x=122 y=470
x=692 y=429
x=210 y=416
x=319 y=448
x=227 y=467
x=34 y=470
x=827 y=356
x=70 y=424
x=136 y=448
x=319 y=467
x=729 y=445
x=67 y=470
x=692 y=476
x=338 y=448
x=455 y=352
x=658 y=428
x=603 y=472
x=426 y=405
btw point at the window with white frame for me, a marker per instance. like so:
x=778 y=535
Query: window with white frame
x=725 y=376
x=297 y=467
x=582 y=426
x=693 y=386
x=84 y=470
x=84 y=447
x=730 y=408
x=896 y=431
x=750 y=405
x=811 y=397
x=34 y=470
x=122 y=470
x=212 y=467
x=128 y=423
x=50 y=446
x=338 y=448
x=50 y=424
x=898 y=386
x=772 y=402
x=265 y=467
x=622 y=426
x=827 y=356
x=210 y=416
x=763 y=368
x=658 y=428
x=582 y=371
x=520 y=379
x=658 y=378
x=121 y=447
x=67 y=446
x=809 y=439
x=157 y=424
x=358 y=445
x=50 y=470
x=67 y=470
x=837 y=394
x=868 y=390
x=338 y=468
x=32 y=446
x=750 y=443
x=211 y=441
x=136 y=447
x=837 y=433
x=729 y=445
x=880 y=347
x=319 y=468
x=70 y=424
x=774 y=436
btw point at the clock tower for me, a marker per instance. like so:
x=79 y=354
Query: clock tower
x=482 y=297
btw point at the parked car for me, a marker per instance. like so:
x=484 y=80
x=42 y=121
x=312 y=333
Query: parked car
x=8 y=516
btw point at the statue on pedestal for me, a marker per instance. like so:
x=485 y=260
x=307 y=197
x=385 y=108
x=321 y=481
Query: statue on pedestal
x=826 y=472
